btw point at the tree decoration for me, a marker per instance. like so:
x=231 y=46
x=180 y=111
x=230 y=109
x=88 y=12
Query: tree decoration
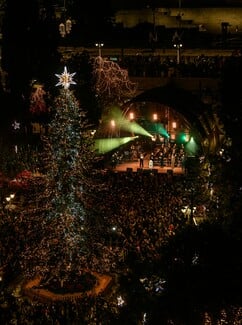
x=61 y=246
x=65 y=79
x=16 y=125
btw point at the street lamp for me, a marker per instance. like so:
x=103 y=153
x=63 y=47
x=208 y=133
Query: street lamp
x=99 y=45
x=178 y=47
x=177 y=43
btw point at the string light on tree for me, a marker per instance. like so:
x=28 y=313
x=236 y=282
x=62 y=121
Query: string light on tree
x=67 y=160
x=112 y=83
x=65 y=79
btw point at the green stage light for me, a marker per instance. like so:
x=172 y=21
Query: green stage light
x=134 y=127
x=106 y=145
x=191 y=147
x=183 y=138
x=125 y=124
x=158 y=128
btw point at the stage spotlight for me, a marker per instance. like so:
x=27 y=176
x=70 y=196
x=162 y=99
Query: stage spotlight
x=105 y=145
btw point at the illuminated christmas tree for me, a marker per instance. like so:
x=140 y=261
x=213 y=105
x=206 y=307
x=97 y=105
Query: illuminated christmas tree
x=59 y=243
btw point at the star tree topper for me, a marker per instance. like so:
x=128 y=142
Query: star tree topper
x=65 y=79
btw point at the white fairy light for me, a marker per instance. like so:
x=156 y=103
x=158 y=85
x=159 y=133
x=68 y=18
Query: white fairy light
x=112 y=83
x=16 y=125
x=120 y=301
x=65 y=79
x=144 y=318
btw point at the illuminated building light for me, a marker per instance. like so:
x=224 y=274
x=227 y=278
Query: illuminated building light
x=155 y=117
x=173 y=136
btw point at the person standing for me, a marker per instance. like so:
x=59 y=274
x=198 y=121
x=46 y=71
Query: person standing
x=151 y=163
x=141 y=160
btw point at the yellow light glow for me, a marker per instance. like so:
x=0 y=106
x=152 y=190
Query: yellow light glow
x=155 y=117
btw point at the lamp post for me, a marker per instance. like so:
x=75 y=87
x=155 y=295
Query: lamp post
x=177 y=36
x=99 y=45
x=178 y=47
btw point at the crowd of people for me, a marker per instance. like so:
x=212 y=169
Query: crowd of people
x=138 y=212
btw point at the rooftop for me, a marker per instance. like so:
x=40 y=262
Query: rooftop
x=136 y=4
